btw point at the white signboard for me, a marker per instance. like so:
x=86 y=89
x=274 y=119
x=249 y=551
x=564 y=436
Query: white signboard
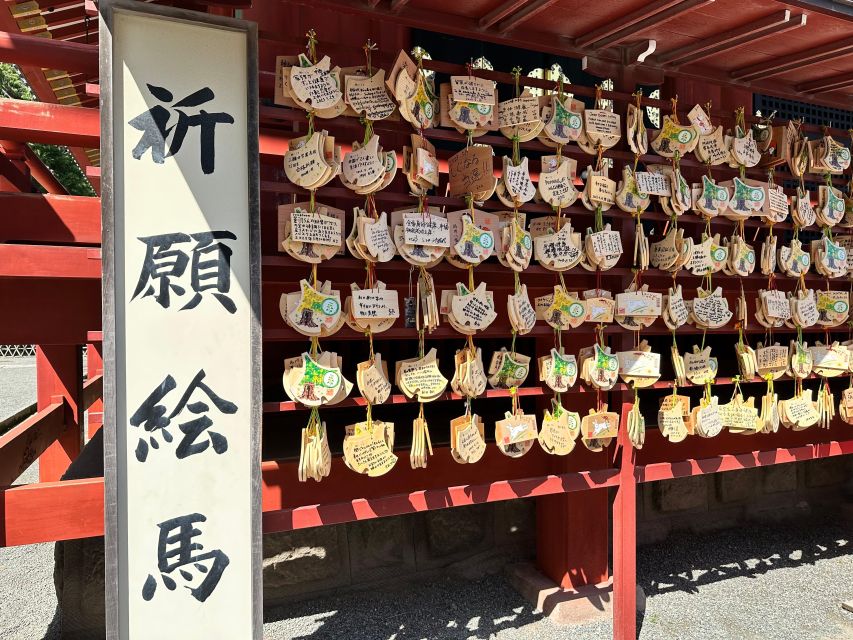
x=181 y=323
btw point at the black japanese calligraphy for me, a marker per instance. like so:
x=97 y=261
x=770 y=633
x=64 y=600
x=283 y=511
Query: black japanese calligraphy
x=155 y=127
x=176 y=550
x=209 y=262
x=152 y=417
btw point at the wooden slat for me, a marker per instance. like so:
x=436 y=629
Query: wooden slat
x=20 y=446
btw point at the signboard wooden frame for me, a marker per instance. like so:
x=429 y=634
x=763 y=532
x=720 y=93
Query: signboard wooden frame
x=245 y=442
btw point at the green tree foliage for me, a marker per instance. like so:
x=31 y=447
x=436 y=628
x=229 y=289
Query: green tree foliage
x=57 y=159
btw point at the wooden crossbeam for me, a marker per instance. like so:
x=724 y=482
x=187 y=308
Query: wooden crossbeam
x=830 y=83
x=773 y=24
x=808 y=57
x=24 y=121
x=74 y=509
x=93 y=390
x=42 y=52
x=524 y=14
x=627 y=26
x=11 y=176
x=729 y=462
x=22 y=445
x=500 y=12
x=49 y=219
x=44 y=261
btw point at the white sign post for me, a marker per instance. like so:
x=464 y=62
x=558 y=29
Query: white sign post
x=181 y=290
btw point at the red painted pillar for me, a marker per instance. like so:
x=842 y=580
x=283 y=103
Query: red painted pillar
x=572 y=537
x=95 y=367
x=59 y=373
x=625 y=538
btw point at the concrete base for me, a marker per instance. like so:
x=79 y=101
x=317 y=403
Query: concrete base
x=566 y=606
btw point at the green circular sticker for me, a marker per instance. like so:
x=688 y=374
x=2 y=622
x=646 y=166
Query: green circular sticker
x=485 y=240
x=685 y=136
x=722 y=194
x=484 y=109
x=574 y=122
x=520 y=372
x=526 y=242
x=838 y=205
x=331 y=379
x=576 y=310
x=805 y=260
x=842 y=253
x=571 y=369
x=750 y=257
x=330 y=306
x=839 y=306
x=756 y=195
x=612 y=364
x=428 y=110
x=844 y=152
x=718 y=254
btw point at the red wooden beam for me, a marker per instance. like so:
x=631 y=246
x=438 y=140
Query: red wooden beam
x=20 y=446
x=500 y=12
x=773 y=24
x=431 y=499
x=36 y=261
x=49 y=219
x=47 y=511
x=524 y=14
x=41 y=174
x=93 y=390
x=11 y=176
x=49 y=123
x=806 y=58
x=73 y=509
x=831 y=83
x=59 y=378
x=42 y=52
x=730 y=462
x=621 y=28
x=624 y=22
x=94 y=410
x=79 y=126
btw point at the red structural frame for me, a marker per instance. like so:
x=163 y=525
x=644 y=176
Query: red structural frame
x=49 y=281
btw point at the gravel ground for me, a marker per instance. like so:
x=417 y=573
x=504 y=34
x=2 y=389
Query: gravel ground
x=768 y=583
x=17 y=384
x=776 y=583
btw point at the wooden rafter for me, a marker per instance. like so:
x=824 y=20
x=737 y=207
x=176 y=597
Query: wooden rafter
x=500 y=12
x=773 y=24
x=620 y=29
x=524 y=14
x=782 y=64
x=831 y=83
